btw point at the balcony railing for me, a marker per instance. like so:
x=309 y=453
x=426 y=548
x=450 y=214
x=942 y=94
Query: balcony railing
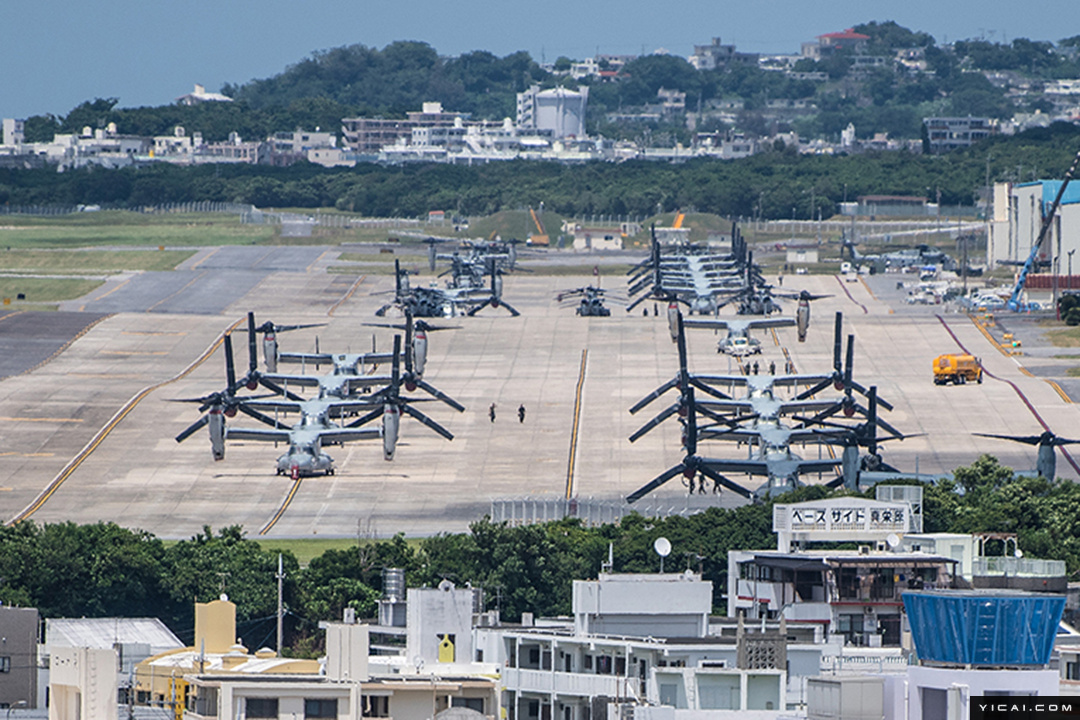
x=564 y=683
x=1017 y=567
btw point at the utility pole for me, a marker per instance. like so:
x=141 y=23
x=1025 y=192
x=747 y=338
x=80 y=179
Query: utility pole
x=280 y=611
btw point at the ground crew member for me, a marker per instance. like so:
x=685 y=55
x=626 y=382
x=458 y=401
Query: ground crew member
x=521 y=413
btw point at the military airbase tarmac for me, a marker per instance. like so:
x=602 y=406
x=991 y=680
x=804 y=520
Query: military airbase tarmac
x=87 y=422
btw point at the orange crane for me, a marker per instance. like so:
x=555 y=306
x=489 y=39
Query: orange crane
x=542 y=237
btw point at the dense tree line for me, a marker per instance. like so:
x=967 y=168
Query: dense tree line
x=776 y=184
x=104 y=570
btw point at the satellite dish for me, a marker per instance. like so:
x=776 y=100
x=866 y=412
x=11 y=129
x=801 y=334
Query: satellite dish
x=1019 y=553
x=662 y=546
x=893 y=541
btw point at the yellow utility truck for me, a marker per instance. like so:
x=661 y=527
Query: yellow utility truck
x=957 y=368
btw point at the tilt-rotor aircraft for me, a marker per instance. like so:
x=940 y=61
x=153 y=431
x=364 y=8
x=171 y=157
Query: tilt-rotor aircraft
x=738 y=341
x=315 y=429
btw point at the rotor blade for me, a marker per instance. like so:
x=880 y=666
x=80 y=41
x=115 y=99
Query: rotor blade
x=814 y=390
x=866 y=393
x=479 y=307
x=717 y=477
x=269 y=385
x=708 y=389
x=395 y=372
x=691 y=422
x=230 y=371
x=509 y=307
x=838 y=330
x=253 y=353
x=654 y=483
x=655 y=394
x=1026 y=439
x=427 y=421
x=430 y=390
x=365 y=419
x=664 y=415
x=409 y=340
x=265 y=419
x=192 y=428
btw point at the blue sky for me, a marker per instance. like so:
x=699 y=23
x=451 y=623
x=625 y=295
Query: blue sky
x=58 y=53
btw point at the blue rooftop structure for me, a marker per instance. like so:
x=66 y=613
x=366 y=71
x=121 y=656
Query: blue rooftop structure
x=983 y=628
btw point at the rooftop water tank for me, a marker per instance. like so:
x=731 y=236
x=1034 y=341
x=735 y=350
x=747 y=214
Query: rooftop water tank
x=983 y=627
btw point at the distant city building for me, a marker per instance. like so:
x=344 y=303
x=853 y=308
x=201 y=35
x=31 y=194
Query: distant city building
x=829 y=43
x=369 y=135
x=715 y=55
x=200 y=96
x=951 y=133
x=559 y=110
x=13 y=132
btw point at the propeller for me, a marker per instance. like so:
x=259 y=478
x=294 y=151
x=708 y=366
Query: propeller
x=495 y=298
x=691 y=464
x=1046 y=442
x=391 y=396
x=683 y=380
x=841 y=376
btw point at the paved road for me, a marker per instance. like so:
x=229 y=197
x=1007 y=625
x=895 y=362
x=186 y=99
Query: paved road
x=205 y=284
x=140 y=477
x=29 y=338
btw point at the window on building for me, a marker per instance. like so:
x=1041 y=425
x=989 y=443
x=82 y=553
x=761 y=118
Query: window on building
x=476 y=704
x=320 y=708
x=261 y=707
x=5 y=664
x=376 y=706
x=851 y=627
x=1072 y=670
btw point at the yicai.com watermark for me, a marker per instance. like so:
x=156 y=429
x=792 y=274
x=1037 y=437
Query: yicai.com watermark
x=1044 y=707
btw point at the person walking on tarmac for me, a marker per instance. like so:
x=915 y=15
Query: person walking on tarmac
x=521 y=413
x=491 y=412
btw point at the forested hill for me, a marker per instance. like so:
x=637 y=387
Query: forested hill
x=774 y=184
x=397 y=79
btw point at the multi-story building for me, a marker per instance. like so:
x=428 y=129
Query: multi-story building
x=369 y=135
x=830 y=43
x=18 y=657
x=559 y=111
x=1016 y=218
x=715 y=55
x=950 y=133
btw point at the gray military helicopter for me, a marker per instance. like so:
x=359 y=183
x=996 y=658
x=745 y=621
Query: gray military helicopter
x=590 y=301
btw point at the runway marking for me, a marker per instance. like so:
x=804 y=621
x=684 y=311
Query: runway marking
x=12 y=453
x=1009 y=354
x=107 y=294
x=574 y=429
x=1059 y=391
x=170 y=297
x=40 y=419
x=848 y=293
x=101 y=434
x=867 y=286
x=11 y=315
x=205 y=258
x=346 y=296
x=281 y=510
x=134 y=352
x=151 y=332
x=1016 y=389
x=321 y=256
x=68 y=344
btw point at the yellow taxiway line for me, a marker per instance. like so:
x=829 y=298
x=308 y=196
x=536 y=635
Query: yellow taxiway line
x=98 y=438
x=577 y=424
x=346 y=296
x=281 y=510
